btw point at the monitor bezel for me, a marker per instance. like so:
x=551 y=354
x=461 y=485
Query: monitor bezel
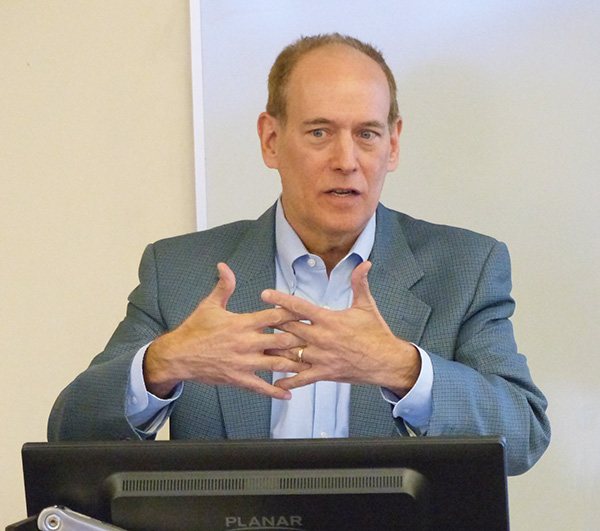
x=467 y=474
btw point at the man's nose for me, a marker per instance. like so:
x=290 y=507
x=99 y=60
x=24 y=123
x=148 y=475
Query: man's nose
x=344 y=156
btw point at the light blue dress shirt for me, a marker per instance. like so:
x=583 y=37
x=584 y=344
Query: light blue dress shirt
x=321 y=409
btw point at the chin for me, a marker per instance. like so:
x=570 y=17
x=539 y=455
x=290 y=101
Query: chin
x=350 y=229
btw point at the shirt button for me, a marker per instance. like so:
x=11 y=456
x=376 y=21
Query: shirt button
x=327 y=307
x=311 y=262
x=134 y=400
x=324 y=434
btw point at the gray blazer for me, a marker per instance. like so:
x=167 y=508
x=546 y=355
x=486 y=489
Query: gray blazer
x=443 y=288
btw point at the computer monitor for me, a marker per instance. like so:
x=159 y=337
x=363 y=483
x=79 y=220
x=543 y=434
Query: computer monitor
x=324 y=484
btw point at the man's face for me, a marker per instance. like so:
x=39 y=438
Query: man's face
x=335 y=148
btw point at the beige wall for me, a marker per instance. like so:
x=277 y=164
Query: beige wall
x=96 y=161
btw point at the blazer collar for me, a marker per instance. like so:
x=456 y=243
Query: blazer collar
x=253 y=264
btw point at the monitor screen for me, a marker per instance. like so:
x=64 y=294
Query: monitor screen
x=319 y=484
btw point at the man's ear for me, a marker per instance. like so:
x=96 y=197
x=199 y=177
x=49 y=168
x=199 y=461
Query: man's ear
x=268 y=131
x=394 y=145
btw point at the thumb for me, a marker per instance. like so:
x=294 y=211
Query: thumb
x=360 y=285
x=224 y=288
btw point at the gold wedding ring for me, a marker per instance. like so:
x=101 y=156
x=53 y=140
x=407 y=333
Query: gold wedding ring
x=300 y=352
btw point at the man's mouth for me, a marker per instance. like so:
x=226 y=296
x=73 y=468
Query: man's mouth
x=342 y=192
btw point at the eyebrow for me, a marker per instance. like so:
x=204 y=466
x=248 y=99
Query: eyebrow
x=317 y=121
x=326 y=121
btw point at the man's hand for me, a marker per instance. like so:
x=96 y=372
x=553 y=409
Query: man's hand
x=214 y=346
x=354 y=345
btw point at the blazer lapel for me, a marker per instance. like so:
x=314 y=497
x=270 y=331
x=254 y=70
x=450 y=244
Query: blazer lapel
x=254 y=267
x=394 y=271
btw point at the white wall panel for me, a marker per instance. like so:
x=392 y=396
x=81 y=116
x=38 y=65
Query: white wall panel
x=501 y=135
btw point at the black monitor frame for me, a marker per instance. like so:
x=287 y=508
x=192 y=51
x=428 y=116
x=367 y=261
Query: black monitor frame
x=467 y=476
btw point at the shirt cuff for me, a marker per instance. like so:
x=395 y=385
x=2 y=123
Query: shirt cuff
x=142 y=406
x=416 y=406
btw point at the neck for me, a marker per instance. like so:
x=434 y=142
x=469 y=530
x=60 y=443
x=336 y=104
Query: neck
x=330 y=244
x=330 y=250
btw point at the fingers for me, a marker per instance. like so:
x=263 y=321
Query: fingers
x=282 y=344
x=299 y=308
x=224 y=288
x=272 y=318
x=272 y=364
x=218 y=347
x=282 y=364
x=301 y=379
x=293 y=354
x=302 y=324
x=360 y=285
x=258 y=385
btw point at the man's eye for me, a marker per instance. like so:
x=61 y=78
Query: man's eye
x=318 y=133
x=367 y=135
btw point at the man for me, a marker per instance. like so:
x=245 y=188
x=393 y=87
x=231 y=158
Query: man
x=384 y=325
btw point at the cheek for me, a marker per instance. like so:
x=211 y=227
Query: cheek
x=302 y=171
x=295 y=180
x=376 y=171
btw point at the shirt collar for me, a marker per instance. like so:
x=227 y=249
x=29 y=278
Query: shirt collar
x=289 y=246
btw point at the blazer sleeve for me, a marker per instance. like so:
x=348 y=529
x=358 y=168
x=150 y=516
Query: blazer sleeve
x=487 y=389
x=93 y=406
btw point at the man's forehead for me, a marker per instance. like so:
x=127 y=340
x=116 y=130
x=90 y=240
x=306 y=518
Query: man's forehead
x=331 y=53
x=332 y=66
x=332 y=62
x=338 y=77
